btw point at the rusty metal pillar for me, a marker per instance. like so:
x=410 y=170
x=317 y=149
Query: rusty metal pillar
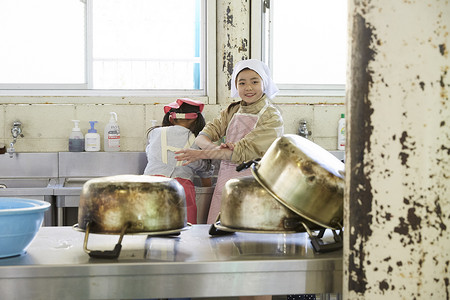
x=397 y=202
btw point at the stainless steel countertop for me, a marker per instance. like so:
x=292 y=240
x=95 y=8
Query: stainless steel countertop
x=193 y=264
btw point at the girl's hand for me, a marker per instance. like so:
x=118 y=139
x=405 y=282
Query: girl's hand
x=188 y=156
x=227 y=146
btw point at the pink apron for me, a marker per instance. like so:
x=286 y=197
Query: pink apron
x=239 y=126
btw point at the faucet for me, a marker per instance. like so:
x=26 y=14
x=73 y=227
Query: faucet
x=303 y=130
x=16 y=132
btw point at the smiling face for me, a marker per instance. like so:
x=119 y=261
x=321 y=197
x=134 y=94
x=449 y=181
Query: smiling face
x=249 y=85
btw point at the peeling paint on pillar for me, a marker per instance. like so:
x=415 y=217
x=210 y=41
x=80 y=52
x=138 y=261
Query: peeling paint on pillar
x=235 y=30
x=397 y=202
x=360 y=188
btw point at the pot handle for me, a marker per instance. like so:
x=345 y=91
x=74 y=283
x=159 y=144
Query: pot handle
x=247 y=164
x=214 y=231
x=319 y=245
x=111 y=254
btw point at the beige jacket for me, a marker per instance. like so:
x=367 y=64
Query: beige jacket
x=255 y=143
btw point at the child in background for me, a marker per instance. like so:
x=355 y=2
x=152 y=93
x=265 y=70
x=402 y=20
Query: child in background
x=250 y=126
x=183 y=120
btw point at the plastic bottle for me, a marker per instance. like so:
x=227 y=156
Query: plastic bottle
x=341 y=133
x=112 y=134
x=92 y=138
x=76 y=138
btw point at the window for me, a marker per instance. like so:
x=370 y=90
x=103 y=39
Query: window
x=43 y=42
x=305 y=44
x=107 y=45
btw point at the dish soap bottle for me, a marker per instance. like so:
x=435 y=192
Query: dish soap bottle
x=76 y=138
x=341 y=133
x=112 y=134
x=92 y=139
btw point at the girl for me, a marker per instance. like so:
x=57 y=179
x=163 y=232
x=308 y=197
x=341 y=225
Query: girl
x=181 y=124
x=249 y=126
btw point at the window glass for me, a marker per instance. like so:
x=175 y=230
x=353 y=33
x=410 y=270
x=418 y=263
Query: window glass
x=102 y=44
x=42 y=41
x=146 y=44
x=306 y=43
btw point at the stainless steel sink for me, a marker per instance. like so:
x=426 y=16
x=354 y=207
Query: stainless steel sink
x=29 y=165
x=27 y=187
x=75 y=168
x=30 y=175
x=26 y=183
x=74 y=182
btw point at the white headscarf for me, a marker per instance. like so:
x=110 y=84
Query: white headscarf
x=269 y=87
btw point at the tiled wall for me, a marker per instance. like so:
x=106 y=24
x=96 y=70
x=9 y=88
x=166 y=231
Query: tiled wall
x=46 y=127
x=322 y=121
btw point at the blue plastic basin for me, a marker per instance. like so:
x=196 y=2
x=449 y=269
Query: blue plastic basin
x=20 y=220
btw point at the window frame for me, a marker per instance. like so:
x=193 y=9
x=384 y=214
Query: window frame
x=208 y=76
x=261 y=23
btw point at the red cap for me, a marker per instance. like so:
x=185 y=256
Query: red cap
x=180 y=101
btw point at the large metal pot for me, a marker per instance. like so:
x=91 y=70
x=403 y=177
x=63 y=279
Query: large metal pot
x=122 y=204
x=305 y=178
x=247 y=206
x=141 y=203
